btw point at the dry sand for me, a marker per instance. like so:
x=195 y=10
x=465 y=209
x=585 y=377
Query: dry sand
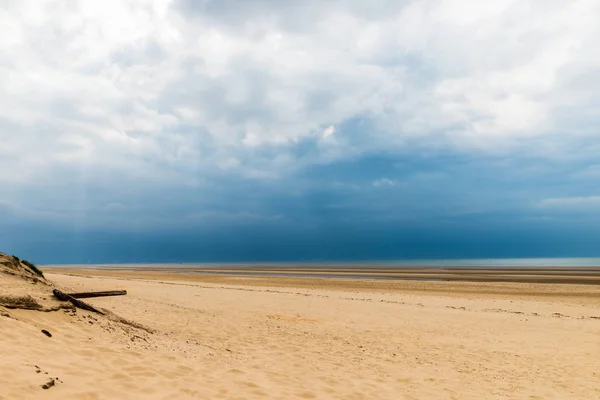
x=226 y=337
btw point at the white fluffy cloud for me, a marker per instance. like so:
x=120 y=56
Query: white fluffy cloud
x=176 y=89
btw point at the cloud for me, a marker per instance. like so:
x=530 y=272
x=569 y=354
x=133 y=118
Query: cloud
x=571 y=202
x=382 y=182
x=138 y=82
x=330 y=130
x=589 y=172
x=163 y=109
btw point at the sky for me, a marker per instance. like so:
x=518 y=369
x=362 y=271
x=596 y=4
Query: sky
x=267 y=130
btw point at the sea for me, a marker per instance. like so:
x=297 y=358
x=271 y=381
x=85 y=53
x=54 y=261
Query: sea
x=472 y=262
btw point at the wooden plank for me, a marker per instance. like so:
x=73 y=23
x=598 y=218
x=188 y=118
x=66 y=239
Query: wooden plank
x=77 y=303
x=86 y=295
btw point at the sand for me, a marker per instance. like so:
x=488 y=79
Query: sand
x=235 y=337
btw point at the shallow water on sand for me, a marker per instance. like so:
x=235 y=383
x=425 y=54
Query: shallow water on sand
x=274 y=274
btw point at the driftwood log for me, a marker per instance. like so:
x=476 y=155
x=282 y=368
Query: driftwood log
x=77 y=303
x=87 y=295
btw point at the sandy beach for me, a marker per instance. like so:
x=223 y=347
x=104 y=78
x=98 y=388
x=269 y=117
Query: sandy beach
x=206 y=336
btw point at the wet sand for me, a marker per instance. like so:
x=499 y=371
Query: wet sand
x=569 y=275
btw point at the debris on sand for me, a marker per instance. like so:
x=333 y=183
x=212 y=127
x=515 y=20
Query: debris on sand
x=25 y=293
x=26 y=288
x=51 y=382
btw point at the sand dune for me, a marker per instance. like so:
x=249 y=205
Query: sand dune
x=252 y=338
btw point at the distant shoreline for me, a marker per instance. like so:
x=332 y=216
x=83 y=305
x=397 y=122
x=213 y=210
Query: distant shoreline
x=544 y=275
